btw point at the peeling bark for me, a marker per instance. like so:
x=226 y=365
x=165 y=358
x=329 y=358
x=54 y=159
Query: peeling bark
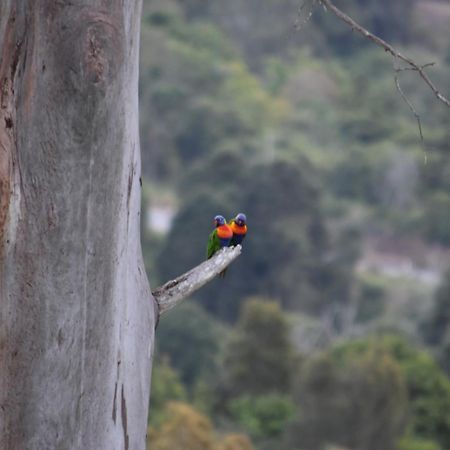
x=8 y=65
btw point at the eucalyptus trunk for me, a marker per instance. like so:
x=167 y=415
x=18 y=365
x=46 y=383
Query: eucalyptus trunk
x=76 y=313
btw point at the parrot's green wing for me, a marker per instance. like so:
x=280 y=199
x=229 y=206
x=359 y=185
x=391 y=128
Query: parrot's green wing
x=213 y=244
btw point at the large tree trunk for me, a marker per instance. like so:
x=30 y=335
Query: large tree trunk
x=76 y=312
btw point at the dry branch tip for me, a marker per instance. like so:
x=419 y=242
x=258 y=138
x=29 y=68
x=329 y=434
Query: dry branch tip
x=175 y=291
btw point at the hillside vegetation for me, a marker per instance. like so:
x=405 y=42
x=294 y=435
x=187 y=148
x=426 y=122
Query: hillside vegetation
x=330 y=331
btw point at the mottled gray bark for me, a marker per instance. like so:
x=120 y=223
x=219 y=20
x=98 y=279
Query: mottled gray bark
x=76 y=312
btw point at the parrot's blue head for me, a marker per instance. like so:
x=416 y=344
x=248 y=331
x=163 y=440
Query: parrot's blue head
x=241 y=219
x=219 y=220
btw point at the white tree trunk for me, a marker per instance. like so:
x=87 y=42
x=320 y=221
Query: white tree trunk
x=76 y=313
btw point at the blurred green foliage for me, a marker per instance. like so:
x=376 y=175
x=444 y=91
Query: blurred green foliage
x=353 y=401
x=236 y=441
x=427 y=386
x=191 y=340
x=372 y=299
x=436 y=327
x=262 y=416
x=260 y=344
x=411 y=443
x=185 y=428
x=304 y=131
x=166 y=386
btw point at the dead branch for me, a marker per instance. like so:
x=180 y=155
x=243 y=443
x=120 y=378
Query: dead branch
x=328 y=4
x=175 y=291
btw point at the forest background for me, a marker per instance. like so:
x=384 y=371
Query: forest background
x=331 y=331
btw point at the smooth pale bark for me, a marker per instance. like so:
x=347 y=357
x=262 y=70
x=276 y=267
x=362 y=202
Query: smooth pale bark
x=76 y=313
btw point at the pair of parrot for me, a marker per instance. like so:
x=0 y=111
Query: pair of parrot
x=226 y=235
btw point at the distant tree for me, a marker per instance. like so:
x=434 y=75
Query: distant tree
x=259 y=356
x=428 y=388
x=354 y=401
x=235 y=442
x=184 y=429
x=429 y=393
x=262 y=416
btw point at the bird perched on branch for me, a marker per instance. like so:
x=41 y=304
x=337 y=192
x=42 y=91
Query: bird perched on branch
x=239 y=227
x=220 y=237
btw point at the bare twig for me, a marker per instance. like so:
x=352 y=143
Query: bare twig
x=402 y=69
x=328 y=4
x=410 y=105
x=175 y=291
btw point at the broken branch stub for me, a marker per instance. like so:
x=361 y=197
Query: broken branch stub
x=175 y=291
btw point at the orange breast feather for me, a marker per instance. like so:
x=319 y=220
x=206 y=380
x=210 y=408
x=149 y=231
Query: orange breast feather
x=237 y=229
x=224 y=232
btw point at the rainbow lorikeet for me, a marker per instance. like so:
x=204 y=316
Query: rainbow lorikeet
x=239 y=227
x=220 y=237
